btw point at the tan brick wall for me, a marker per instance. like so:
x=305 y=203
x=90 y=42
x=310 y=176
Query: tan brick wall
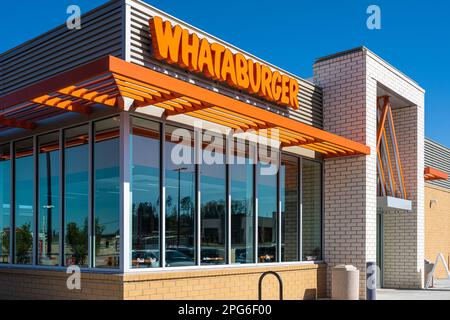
x=300 y=282
x=49 y=285
x=437 y=225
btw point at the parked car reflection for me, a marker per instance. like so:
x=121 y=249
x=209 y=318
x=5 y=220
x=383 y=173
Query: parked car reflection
x=145 y=258
x=213 y=256
x=150 y=259
x=175 y=258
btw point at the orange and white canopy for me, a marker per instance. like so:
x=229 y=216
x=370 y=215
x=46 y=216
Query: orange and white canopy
x=108 y=80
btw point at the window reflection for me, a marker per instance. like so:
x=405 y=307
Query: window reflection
x=213 y=196
x=267 y=209
x=289 y=175
x=5 y=203
x=242 y=211
x=76 y=199
x=180 y=198
x=145 y=193
x=48 y=210
x=312 y=210
x=107 y=193
x=24 y=199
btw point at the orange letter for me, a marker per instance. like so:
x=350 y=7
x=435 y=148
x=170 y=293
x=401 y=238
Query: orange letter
x=254 y=72
x=285 y=89
x=217 y=50
x=205 y=58
x=228 y=71
x=165 y=40
x=293 y=93
x=266 y=79
x=276 y=86
x=241 y=71
x=189 y=49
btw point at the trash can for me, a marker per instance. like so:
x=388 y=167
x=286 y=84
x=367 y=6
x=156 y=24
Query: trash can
x=345 y=283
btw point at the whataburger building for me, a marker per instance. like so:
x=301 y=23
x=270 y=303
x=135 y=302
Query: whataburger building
x=90 y=120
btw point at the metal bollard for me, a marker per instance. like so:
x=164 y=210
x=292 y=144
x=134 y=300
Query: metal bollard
x=371 y=281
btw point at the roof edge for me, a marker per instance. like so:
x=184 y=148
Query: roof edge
x=369 y=52
x=340 y=54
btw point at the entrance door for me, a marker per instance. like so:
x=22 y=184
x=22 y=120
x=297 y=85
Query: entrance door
x=380 y=248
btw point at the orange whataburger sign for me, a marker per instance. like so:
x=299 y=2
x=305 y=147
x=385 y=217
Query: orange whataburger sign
x=178 y=46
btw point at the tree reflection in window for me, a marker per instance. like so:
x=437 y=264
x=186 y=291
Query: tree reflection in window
x=145 y=188
x=76 y=199
x=24 y=201
x=180 y=198
x=5 y=203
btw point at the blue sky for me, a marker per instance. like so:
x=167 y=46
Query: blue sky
x=415 y=35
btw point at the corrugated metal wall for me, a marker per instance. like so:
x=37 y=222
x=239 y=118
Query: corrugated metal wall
x=62 y=49
x=438 y=157
x=310 y=96
x=103 y=33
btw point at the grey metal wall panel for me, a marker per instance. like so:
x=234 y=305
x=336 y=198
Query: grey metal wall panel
x=310 y=96
x=438 y=157
x=62 y=49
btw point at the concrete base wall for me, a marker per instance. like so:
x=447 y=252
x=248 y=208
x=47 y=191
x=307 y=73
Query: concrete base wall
x=304 y=282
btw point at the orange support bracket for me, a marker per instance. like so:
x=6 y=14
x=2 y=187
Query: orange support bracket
x=13 y=123
x=385 y=118
x=435 y=174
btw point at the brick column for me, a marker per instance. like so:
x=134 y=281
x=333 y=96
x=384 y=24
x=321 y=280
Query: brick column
x=349 y=183
x=351 y=83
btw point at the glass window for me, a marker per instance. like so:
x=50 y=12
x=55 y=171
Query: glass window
x=180 y=197
x=242 y=211
x=48 y=209
x=267 y=208
x=213 y=200
x=5 y=203
x=76 y=196
x=24 y=201
x=145 y=151
x=107 y=193
x=289 y=175
x=312 y=210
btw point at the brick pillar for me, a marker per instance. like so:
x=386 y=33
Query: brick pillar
x=349 y=183
x=351 y=82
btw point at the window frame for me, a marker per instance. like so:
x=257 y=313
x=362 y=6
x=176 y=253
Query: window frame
x=125 y=200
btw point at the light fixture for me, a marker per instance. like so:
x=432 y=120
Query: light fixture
x=433 y=201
